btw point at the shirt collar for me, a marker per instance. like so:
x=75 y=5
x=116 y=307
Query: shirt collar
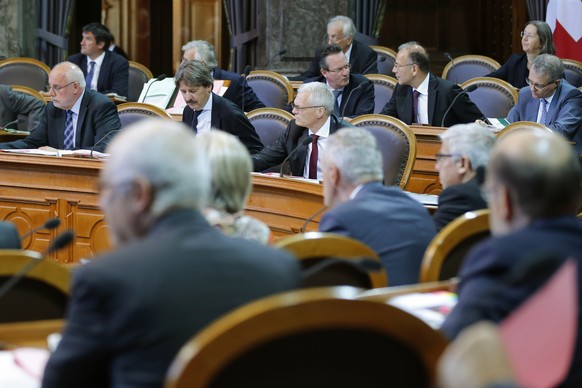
x=76 y=108
x=98 y=61
x=423 y=87
x=324 y=130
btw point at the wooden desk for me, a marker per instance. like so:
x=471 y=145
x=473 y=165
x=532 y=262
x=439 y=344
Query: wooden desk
x=31 y=333
x=6 y=136
x=425 y=177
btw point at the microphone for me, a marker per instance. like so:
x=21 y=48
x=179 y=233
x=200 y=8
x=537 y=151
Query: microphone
x=100 y=141
x=61 y=241
x=49 y=224
x=348 y=100
x=379 y=60
x=160 y=78
x=307 y=221
x=19 y=121
x=469 y=89
x=448 y=56
x=246 y=72
x=305 y=141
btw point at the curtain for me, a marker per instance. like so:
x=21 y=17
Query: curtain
x=369 y=17
x=54 y=28
x=537 y=9
x=242 y=20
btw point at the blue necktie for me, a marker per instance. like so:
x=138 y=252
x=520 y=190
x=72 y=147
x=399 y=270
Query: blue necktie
x=194 y=124
x=89 y=78
x=336 y=94
x=69 y=131
x=544 y=116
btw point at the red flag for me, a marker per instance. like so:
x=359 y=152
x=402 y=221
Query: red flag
x=565 y=19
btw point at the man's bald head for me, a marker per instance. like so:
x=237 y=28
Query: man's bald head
x=539 y=170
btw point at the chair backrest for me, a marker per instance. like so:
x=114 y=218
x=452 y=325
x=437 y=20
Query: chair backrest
x=387 y=65
x=465 y=67
x=271 y=88
x=310 y=338
x=313 y=247
x=520 y=125
x=397 y=143
x=573 y=72
x=269 y=123
x=132 y=112
x=26 y=72
x=444 y=255
x=41 y=294
x=31 y=92
x=494 y=97
x=383 y=89
x=138 y=76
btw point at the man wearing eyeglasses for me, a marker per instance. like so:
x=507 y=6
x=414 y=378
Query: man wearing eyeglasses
x=422 y=97
x=353 y=93
x=76 y=118
x=341 y=31
x=550 y=100
x=305 y=138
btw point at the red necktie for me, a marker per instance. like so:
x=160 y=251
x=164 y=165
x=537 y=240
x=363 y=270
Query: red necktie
x=415 y=95
x=313 y=158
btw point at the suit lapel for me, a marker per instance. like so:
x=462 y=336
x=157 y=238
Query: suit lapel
x=104 y=71
x=215 y=114
x=60 y=118
x=432 y=97
x=82 y=114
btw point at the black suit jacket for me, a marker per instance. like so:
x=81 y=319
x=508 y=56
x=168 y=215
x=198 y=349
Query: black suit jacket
x=238 y=86
x=119 y=51
x=114 y=73
x=97 y=120
x=357 y=97
x=276 y=153
x=131 y=310
x=483 y=292
x=227 y=116
x=513 y=71
x=14 y=104
x=362 y=59
x=456 y=200
x=440 y=96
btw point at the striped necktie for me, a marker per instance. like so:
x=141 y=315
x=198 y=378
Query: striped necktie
x=69 y=131
x=544 y=116
x=90 y=75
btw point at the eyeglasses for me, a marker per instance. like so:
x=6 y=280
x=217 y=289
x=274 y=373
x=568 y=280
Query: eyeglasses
x=347 y=66
x=523 y=34
x=56 y=88
x=440 y=157
x=537 y=87
x=335 y=39
x=293 y=106
x=397 y=66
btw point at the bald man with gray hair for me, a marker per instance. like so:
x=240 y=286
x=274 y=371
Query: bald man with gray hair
x=385 y=218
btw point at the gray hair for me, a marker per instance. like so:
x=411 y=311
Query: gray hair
x=348 y=27
x=355 y=152
x=166 y=154
x=319 y=95
x=204 y=52
x=230 y=166
x=550 y=65
x=416 y=54
x=194 y=74
x=472 y=141
x=72 y=72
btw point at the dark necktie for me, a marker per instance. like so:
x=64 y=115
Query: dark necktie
x=336 y=94
x=313 y=158
x=194 y=124
x=415 y=94
x=69 y=131
x=544 y=116
x=89 y=78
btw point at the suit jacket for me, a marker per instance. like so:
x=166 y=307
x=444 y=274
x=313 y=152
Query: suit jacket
x=485 y=294
x=276 y=153
x=9 y=238
x=440 y=96
x=456 y=200
x=97 y=123
x=14 y=104
x=132 y=310
x=564 y=113
x=390 y=222
x=238 y=86
x=227 y=116
x=357 y=97
x=119 y=51
x=114 y=73
x=362 y=59
x=513 y=71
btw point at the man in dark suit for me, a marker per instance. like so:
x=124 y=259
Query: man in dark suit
x=549 y=100
x=314 y=119
x=534 y=191
x=341 y=31
x=239 y=88
x=206 y=110
x=355 y=93
x=76 y=118
x=385 y=218
x=422 y=97
x=465 y=148
x=15 y=104
x=172 y=273
x=104 y=70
